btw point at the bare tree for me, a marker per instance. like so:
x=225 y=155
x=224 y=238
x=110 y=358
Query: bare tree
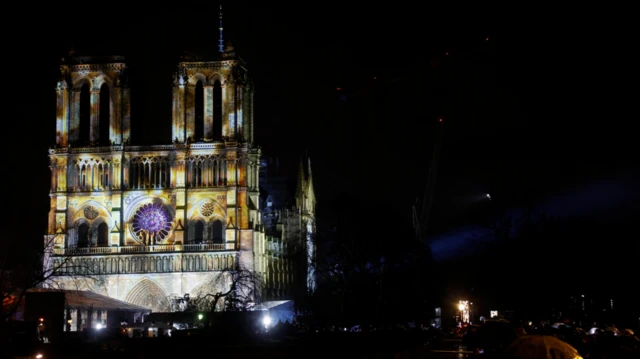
x=236 y=289
x=22 y=270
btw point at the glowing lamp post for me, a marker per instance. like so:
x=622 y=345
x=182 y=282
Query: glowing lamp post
x=266 y=321
x=463 y=307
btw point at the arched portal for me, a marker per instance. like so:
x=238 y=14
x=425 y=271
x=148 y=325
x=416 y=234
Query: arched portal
x=83 y=235
x=218 y=232
x=199 y=235
x=148 y=294
x=103 y=235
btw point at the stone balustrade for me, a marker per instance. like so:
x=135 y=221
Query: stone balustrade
x=162 y=248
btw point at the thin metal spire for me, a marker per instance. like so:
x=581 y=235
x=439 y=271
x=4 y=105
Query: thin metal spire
x=221 y=41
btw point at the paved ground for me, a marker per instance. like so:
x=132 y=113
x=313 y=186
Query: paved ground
x=447 y=354
x=451 y=348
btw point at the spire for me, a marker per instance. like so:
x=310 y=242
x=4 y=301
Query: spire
x=221 y=41
x=311 y=194
x=301 y=185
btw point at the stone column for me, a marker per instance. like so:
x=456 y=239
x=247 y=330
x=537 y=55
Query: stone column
x=74 y=128
x=126 y=115
x=178 y=133
x=180 y=169
x=190 y=111
x=125 y=172
x=54 y=175
x=208 y=112
x=241 y=171
x=231 y=172
x=115 y=127
x=249 y=115
x=226 y=130
x=94 y=131
x=239 y=95
x=62 y=114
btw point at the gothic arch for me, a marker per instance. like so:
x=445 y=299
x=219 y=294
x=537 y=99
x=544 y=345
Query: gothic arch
x=217 y=230
x=216 y=77
x=194 y=213
x=134 y=204
x=102 y=233
x=77 y=235
x=80 y=80
x=193 y=80
x=148 y=293
x=103 y=214
x=100 y=80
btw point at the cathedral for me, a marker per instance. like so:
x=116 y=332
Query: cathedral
x=145 y=224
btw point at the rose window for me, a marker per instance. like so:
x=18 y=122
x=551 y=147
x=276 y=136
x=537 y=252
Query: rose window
x=90 y=212
x=152 y=221
x=207 y=209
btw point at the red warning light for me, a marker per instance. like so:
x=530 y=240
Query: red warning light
x=339 y=88
x=439 y=120
x=446 y=53
x=486 y=38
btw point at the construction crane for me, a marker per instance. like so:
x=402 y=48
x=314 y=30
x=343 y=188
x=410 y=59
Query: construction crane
x=421 y=218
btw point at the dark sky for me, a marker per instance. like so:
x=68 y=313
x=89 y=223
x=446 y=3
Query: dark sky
x=542 y=106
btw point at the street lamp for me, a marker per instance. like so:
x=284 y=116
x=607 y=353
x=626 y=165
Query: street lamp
x=266 y=320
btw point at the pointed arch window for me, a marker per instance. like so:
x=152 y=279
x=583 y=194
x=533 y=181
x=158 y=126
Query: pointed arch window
x=218 y=232
x=217 y=110
x=105 y=115
x=83 y=235
x=103 y=235
x=198 y=235
x=85 y=115
x=199 y=112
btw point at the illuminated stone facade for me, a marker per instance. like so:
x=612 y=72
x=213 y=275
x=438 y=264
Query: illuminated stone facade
x=155 y=221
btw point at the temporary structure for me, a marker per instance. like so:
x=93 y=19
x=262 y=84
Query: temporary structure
x=541 y=347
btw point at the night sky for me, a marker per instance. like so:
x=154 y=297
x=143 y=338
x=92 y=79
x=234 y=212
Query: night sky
x=536 y=104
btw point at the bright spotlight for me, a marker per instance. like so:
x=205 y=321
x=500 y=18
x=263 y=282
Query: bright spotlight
x=488 y=196
x=461 y=307
x=38 y=356
x=99 y=326
x=200 y=316
x=266 y=321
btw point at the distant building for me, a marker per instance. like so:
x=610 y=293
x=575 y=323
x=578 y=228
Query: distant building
x=289 y=226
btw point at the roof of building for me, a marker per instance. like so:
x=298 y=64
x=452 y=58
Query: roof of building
x=83 y=299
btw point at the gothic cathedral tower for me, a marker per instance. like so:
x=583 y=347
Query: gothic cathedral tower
x=152 y=222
